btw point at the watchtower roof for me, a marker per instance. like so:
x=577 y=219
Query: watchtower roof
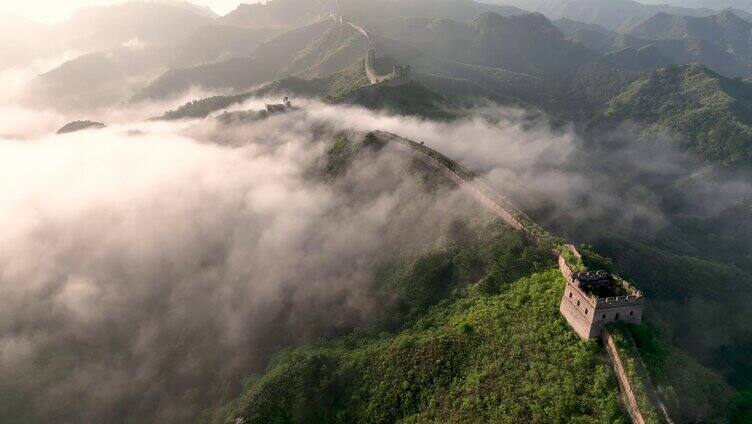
x=600 y=284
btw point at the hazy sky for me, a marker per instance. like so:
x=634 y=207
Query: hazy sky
x=48 y=11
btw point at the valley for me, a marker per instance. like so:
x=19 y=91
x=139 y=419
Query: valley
x=509 y=211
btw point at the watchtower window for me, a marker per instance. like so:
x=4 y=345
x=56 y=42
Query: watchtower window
x=570 y=295
x=586 y=311
x=617 y=316
x=578 y=303
x=604 y=316
x=631 y=313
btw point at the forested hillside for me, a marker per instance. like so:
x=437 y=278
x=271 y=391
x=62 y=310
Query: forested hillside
x=222 y=218
x=471 y=333
x=710 y=113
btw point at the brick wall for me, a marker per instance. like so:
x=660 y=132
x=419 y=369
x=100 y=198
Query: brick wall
x=625 y=386
x=588 y=316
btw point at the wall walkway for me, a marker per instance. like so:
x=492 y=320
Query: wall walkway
x=464 y=179
x=628 y=394
x=373 y=76
x=498 y=206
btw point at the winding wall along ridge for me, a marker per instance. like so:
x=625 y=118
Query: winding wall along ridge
x=501 y=208
x=463 y=178
x=371 y=73
x=373 y=76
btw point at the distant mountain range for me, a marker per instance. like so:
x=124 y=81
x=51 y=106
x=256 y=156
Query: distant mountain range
x=620 y=81
x=730 y=32
x=527 y=44
x=465 y=50
x=745 y=5
x=291 y=13
x=611 y=14
x=722 y=42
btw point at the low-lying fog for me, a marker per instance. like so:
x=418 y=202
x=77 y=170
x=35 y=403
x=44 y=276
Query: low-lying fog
x=148 y=266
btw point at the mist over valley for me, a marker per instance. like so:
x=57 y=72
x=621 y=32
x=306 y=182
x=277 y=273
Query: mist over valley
x=381 y=211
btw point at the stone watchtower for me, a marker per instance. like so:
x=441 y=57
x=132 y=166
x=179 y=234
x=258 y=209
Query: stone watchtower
x=593 y=299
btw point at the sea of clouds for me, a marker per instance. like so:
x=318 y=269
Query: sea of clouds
x=148 y=267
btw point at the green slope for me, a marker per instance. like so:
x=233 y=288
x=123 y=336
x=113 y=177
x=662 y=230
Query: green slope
x=411 y=98
x=690 y=392
x=210 y=42
x=690 y=300
x=467 y=332
x=709 y=113
x=507 y=358
x=337 y=48
x=314 y=51
x=332 y=87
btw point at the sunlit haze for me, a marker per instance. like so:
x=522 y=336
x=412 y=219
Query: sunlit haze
x=375 y=211
x=50 y=11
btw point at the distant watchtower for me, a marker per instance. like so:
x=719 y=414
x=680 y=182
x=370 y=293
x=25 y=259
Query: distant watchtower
x=593 y=299
x=400 y=71
x=285 y=106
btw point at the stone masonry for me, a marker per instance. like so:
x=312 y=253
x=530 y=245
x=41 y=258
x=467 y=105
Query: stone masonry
x=399 y=74
x=592 y=300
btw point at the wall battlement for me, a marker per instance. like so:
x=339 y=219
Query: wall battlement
x=587 y=306
x=590 y=300
x=585 y=312
x=620 y=300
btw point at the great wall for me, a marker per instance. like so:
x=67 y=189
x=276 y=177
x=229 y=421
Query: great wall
x=585 y=309
x=398 y=73
x=591 y=300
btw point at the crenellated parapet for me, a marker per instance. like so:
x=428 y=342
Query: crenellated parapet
x=631 y=290
x=618 y=300
x=593 y=299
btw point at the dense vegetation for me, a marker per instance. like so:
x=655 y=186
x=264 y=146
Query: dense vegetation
x=690 y=300
x=712 y=113
x=412 y=98
x=606 y=81
x=468 y=332
x=639 y=379
x=708 y=112
x=697 y=284
x=478 y=358
x=690 y=392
